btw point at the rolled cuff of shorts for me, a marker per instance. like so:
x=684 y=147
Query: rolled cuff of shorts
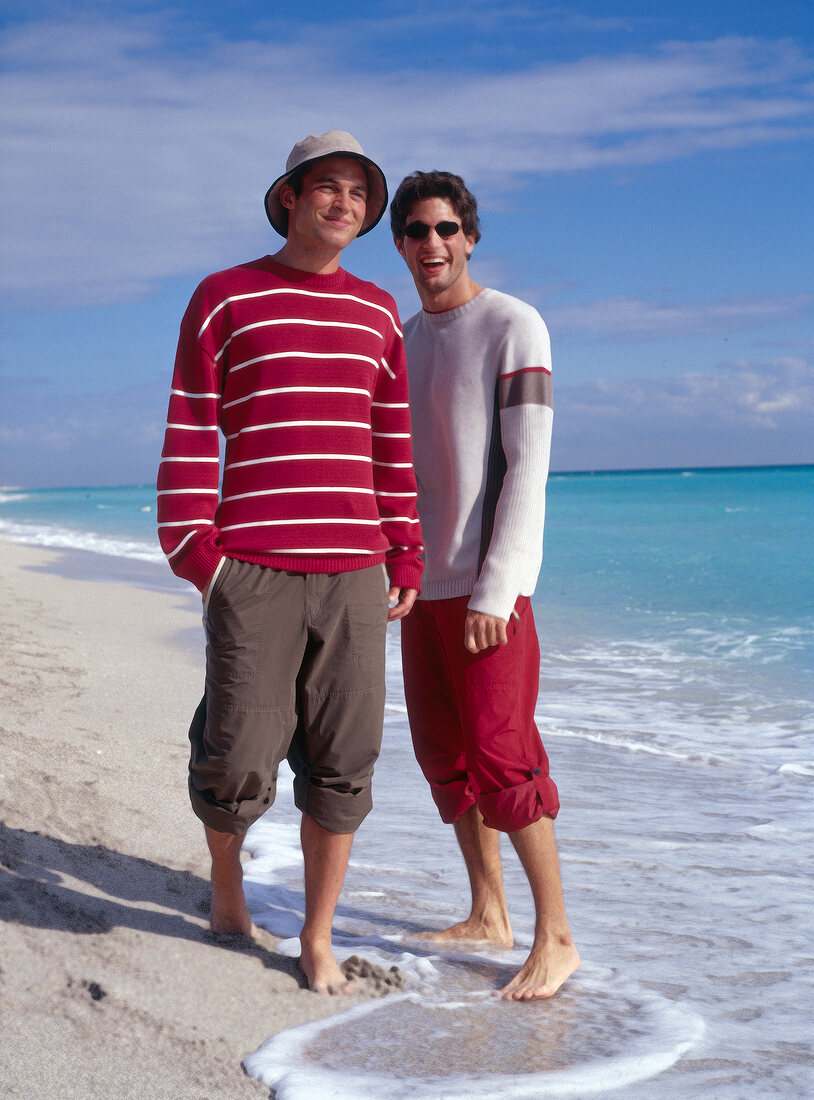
x=452 y=799
x=335 y=809
x=517 y=807
x=234 y=818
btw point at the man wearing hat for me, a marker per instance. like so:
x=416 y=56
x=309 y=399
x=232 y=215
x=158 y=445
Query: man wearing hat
x=300 y=366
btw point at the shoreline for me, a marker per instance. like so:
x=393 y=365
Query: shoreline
x=109 y=981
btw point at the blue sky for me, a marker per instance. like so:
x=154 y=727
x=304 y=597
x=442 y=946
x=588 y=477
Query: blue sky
x=644 y=173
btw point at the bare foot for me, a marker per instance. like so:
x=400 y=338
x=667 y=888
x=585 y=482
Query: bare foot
x=322 y=972
x=473 y=930
x=543 y=972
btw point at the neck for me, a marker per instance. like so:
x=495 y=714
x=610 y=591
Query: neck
x=318 y=261
x=463 y=291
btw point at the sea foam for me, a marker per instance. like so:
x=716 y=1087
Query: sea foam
x=70 y=539
x=447 y=1041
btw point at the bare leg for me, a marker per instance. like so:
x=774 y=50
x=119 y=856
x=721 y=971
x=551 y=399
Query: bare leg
x=228 y=913
x=326 y=857
x=489 y=919
x=553 y=955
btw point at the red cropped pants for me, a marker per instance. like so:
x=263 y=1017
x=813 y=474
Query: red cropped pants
x=472 y=716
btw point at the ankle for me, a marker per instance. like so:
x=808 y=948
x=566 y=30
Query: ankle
x=549 y=939
x=315 y=942
x=491 y=913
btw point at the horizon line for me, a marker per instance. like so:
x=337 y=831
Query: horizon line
x=557 y=473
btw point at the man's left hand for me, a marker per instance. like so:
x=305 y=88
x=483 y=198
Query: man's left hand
x=481 y=631
x=402 y=600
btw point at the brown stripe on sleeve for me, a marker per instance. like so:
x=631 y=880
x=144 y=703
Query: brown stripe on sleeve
x=530 y=386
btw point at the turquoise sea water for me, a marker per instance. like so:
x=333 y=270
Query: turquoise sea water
x=730 y=545
x=724 y=554
x=676 y=617
x=732 y=541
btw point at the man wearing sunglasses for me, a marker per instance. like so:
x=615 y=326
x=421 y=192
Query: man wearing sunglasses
x=479 y=368
x=300 y=365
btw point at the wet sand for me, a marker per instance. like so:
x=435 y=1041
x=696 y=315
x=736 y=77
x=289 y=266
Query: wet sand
x=110 y=984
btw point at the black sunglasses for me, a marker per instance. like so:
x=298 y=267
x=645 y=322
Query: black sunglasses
x=419 y=230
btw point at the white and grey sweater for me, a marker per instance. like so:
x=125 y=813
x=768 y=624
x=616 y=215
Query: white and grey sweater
x=480 y=399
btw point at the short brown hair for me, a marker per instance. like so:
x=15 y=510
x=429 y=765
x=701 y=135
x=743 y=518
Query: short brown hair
x=435 y=185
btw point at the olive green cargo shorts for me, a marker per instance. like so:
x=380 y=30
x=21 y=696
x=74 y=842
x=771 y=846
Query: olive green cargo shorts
x=294 y=668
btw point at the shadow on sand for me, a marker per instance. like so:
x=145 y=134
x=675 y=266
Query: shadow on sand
x=89 y=889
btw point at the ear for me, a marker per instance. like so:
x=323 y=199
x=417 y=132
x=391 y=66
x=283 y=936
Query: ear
x=287 y=196
x=470 y=245
x=399 y=243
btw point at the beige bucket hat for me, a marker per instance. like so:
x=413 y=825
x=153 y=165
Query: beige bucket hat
x=334 y=143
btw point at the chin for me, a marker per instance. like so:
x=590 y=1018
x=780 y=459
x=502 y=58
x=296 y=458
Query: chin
x=340 y=239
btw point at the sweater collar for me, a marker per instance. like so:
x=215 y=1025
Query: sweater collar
x=449 y=315
x=306 y=278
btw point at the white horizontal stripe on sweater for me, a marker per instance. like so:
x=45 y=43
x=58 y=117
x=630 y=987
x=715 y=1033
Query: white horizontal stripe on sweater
x=271 y=322
x=178 y=492
x=325 y=550
x=301 y=424
x=306 y=294
x=382 y=493
x=300 y=489
x=178 y=458
x=297 y=389
x=186 y=393
x=398 y=519
x=304 y=355
x=395 y=465
x=391 y=405
x=194 y=427
x=297 y=458
x=301 y=523
x=391 y=435
x=187 y=523
x=386 y=366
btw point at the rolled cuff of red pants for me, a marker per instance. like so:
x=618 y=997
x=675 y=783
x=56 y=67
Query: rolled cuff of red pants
x=517 y=807
x=453 y=799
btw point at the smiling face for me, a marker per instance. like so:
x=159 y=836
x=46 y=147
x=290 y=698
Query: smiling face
x=438 y=264
x=330 y=210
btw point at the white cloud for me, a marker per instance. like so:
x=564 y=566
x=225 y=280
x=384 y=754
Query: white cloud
x=126 y=163
x=752 y=413
x=632 y=318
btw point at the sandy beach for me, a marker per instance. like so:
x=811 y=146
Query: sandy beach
x=109 y=985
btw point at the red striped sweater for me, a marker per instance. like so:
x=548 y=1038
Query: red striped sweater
x=305 y=377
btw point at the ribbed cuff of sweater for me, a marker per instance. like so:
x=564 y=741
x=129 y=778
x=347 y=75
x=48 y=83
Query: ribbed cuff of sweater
x=496 y=598
x=405 y=574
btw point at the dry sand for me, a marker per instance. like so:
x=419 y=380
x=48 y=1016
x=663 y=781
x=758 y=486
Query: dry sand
x=108 y=984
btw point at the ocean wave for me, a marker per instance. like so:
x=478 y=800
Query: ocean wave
x=622 y=1032
x=406 y=1045
x=627 y=744
x=10 y=496
x=65 y=538
x=689 y=641
x=804 y=768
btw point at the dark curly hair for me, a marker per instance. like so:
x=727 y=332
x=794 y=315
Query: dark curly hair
x=434 y=185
